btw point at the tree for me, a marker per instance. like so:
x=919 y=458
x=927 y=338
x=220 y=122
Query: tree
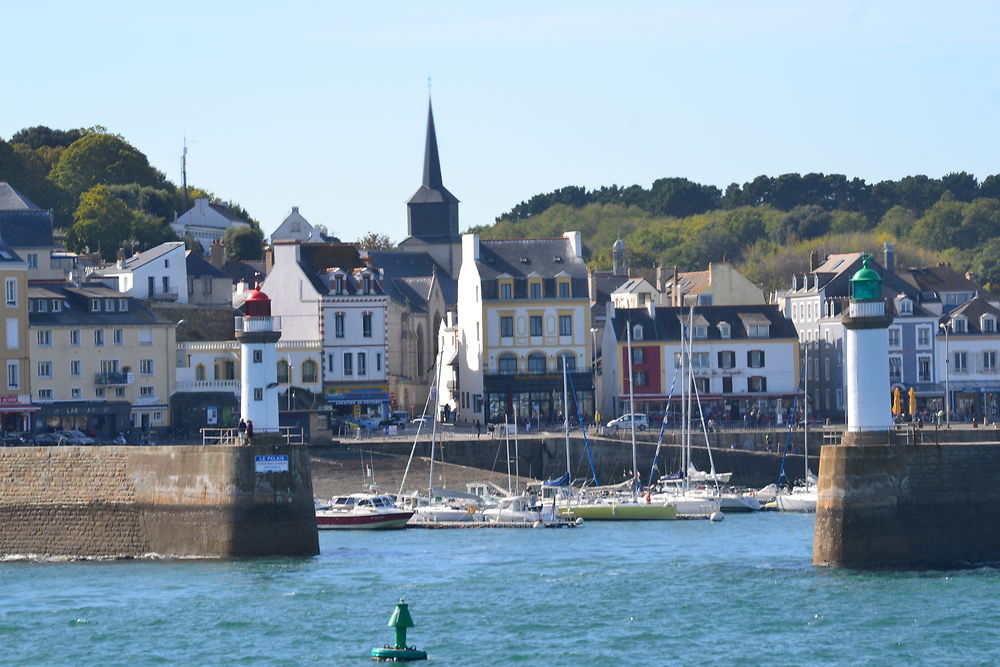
x=149 y=231
x=194 y=245
x=375 y=241
x=243 y=243
x=986 y=264
x=961 y=185
x=102 y=222
x=103 y=159
x=40 y=135
x=897 y=222
x=802 y=222
x=937 y=228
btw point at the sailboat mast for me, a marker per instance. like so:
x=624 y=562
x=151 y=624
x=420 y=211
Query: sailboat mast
x=631 y=404
x=805 y=420
x=517 y=462
x=506 y=431
x=436 y=395
x=566 y=417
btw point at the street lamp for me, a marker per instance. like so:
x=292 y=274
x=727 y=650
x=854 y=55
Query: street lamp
x=947 y=376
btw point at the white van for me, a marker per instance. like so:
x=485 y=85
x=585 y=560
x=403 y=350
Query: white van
x=625 y=422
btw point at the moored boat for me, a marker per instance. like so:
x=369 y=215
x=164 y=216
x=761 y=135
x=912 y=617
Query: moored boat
x=362 y=511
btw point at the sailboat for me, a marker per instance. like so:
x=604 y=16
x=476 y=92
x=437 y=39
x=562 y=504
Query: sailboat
x=617 y=503
x=802 y=497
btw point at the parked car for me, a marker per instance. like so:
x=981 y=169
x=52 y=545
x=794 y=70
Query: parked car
x=400 y=417
x=76 y=437
x=48 y=439
x=422 y=419
x=626 y=421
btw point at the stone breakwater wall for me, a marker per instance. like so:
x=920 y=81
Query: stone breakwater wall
x=173 y=501
x=907 y=506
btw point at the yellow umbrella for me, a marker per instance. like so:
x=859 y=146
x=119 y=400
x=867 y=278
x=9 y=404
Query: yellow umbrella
x=896 y=396
x=913 y=401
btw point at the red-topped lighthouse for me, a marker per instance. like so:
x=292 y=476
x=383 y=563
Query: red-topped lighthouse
x=257 y=333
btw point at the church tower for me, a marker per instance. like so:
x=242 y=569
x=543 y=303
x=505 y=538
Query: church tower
x=618 y=259
x=432 y=211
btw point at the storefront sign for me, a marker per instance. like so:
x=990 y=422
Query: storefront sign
x=265 y=464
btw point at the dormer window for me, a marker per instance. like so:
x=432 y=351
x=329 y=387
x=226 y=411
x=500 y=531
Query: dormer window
x=123 y=305
x=960 y=325
x=56 y=305
x=95 y=305
x=535 y=289
x=338 y=284
x=759 y=330
x=637 y=332
x=988 y=324
x=367 y=283
x=41 y=306
x=109 y=305
x=700 y=331
x=904 y=306
x=725 y=331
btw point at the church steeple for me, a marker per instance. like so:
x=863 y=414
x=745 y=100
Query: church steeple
x=432 y=211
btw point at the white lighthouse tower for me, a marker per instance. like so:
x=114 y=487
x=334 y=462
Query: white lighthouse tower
x=866 y=353
x=257 y=334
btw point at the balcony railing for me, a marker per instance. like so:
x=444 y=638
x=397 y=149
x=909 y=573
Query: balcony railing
x=106 y=379
x=209 y=385
x=866 y=309
x=169 y=295
x=258 y=324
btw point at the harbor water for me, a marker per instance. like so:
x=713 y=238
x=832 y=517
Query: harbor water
x=741 y=591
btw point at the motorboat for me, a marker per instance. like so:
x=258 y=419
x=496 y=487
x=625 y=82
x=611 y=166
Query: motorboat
x=362 y=511
x=523 y=509
x=444 y=506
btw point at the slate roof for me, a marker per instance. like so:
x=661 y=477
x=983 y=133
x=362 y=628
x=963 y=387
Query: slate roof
x=933 y=280
x=227 y=213
x=396 y=264
x=973 y=310
x=521 y=258
x=7 y=254
x=666 y=326
x=606 y=283
x=316 y=258
x=12 y=200
x=431 y=190
x=26 y=228
x=198 y=267
x=140 y=259
x=241 y=271
x=77 y=308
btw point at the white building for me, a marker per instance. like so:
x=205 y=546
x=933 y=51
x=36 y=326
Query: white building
x=970 y=340
x=206 y=222
x=296 y=228
x=160 y=273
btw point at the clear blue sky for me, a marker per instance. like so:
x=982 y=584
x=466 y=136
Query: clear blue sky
x=322 y=105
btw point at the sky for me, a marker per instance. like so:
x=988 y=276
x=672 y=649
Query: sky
x=323 y=105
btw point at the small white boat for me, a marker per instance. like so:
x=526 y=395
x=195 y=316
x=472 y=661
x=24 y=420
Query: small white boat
x=800 y=499
x=444 y=506
x=521 y=509
x=362 y=511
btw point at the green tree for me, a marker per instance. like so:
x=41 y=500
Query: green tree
x=375 y=241
x=938 y=227
x=103 y=159
x=243 y=243
x=149 y=231
x=986 y=264
x=40 y=135
x=845 y=222
x=194 y=245
x=102 y=222
x=897 y=222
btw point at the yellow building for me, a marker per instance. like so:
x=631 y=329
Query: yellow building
x=101 y=362
x=15 y=397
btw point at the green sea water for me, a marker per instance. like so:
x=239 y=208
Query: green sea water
x=741 y=592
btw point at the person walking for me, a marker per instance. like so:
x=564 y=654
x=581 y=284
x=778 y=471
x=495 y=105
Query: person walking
x=250 y=432
x=242 y=428
x=479 y=429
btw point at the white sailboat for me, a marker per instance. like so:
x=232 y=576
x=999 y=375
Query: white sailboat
x=802 y=497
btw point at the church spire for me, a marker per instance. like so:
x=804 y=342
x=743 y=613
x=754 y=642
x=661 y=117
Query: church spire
x=432 y=162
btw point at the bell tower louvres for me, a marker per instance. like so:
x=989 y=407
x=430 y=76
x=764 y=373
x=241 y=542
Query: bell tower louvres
x=432 y=211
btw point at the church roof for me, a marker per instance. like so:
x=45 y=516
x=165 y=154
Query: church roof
x=12 y=200
x=432 y=190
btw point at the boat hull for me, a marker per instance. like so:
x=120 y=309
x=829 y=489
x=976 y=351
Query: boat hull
x=620 y=512
x=796 y=502
x=347 y=521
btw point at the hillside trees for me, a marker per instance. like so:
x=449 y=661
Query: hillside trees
x=103 y=159
x=243 y=243
x=102 y=222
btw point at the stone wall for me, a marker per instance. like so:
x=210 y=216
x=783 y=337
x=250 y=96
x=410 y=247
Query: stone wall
x=907 y=506
x=173 y=501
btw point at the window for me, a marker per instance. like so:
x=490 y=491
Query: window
x=32 y=260
x=13 y=374
x=367 y=282
x=44 y=369
x=282 y=372
x=755 y=358
x=960 y=325
x=338 y=325
x=826 y=368
x=700 y=360
x=506 y=326
x=895 y=339
x=507 y=364
x=362 y=363
x=961 y=362
x=724 y=330
x=145 y=367
x=99 y=392
x=988 y=324
x=638 y=355
x=990 y=361
x=536 y=363
x=702 y=385
x=119 y=336
x=44 y=394
x=166 y=284
x=563 y=290
x=535 y=322
x=569 y=360
x=758 y=330
x=727 y=359
x=329 y=363
x=565 y=325
x=74 y=368
x=505 y=291
x=146 y=391
x=700 y=331
x=923 y=369
x=199 y=372
x=348 y=363
x=13 y=333
x=535 y=289
x=366 y=325
x=258 y=394
x=10 y=291
x=75 y=392
x=923 y=336
x=95 y=304
x=44 y=337
x=258 y=356
x=378 y=361
x=119 y=391
x=895 y=369
x=122 y=305
x=727 y=384
x=166 y=263
x=56 y=305
x=641 y=378
x=756 y=383
x=905 y=307
x=704 y=299
x=310 y=371
x=98 y=337
x=637 y=332
x=338 y=284
x=109 y=305
x=145 y=336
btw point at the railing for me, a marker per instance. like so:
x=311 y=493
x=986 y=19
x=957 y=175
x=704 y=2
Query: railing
x=209 y=385
x=258 y=324
x=292 y=435
x=169 y=295
x=866 y=308
x=114 y=378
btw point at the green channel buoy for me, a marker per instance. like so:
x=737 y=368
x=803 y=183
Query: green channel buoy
x=399 y=651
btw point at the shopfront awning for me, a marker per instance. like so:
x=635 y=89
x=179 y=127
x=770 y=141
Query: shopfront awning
x=18 y=407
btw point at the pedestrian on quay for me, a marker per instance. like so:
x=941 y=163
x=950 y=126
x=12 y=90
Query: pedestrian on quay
x=479 y=429
x=249 y=431
x=242 y=428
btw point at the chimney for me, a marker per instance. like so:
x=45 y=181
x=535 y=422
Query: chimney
x=217 y=254
x=592 y=285
x=813 y=260
x=121 y=258
x=470 y=247
x=659 y=278
x=675 y=297
x=889 y=255
x=651 y=309
x=576 y=240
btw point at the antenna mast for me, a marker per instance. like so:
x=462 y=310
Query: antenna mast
x=184 y=174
